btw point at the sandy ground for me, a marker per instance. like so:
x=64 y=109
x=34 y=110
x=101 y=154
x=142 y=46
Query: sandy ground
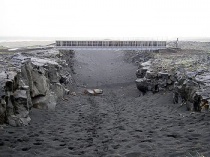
x=117 y=123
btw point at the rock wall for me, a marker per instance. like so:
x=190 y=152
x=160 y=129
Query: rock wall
x=31 y=82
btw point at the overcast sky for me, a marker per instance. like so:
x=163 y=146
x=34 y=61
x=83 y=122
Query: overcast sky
x=105 y=18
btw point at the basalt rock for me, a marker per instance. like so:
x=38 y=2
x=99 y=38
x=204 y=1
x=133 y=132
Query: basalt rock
x=142 y=85
x=53 y=72
x=40 y=83
x=30 y=82
x=188 y=76
x=58 y=89
x=45 y=102
x=15 y=102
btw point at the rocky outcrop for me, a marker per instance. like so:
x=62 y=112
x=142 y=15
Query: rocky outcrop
x=186 y=75
x=31 y=82
x=150 y=79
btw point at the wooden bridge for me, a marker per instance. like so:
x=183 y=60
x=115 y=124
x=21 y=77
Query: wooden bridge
x=111 y=45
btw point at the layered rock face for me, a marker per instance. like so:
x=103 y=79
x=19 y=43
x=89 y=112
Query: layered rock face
x=183 y=71
x=31 y=82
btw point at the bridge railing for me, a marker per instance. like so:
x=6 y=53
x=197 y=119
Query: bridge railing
x=112 y=44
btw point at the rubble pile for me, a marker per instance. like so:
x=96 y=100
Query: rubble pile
x=27 y=80
x=186 y=73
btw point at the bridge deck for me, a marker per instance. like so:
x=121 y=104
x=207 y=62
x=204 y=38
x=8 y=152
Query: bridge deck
x=111 y=45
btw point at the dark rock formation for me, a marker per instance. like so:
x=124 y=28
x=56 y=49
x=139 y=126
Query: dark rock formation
x=149 y=79
x=30 y=82
x=187 y=75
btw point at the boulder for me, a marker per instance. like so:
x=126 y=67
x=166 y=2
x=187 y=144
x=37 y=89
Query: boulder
x=40 y=84
x=16 y=121
x=98 y=91
x=142 y=85
x=13 y=120
x=93 y=91
x=58 y=89
x=25 y=121
x=45 y=102
x=89 y=91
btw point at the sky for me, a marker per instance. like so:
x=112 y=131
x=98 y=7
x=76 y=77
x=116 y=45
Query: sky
x=105 y=18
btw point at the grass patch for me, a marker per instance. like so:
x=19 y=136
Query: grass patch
x=6 y=53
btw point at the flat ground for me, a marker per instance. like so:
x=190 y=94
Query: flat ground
x=117 y=123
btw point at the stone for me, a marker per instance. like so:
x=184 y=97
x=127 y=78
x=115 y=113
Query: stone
x=142 y=85
x=190 y=74
x=175 y=97
x=23 y=114
x=67 y=92
x=14 y=121
x=89 y=91
x=47 y=102
x=25 y=121
x=93 y=91
x=172 y=78
x=163 y=75
x=150 y=75
x=58 y=89
x=34 y=77
x=140 y=73
x=40 y=84
x=41 y=70
x=98 y=91
x=146 y=64
x=53 y=74
x=9 y=106
x=162 y=83
x=20 y=94
x=73 y=93
x=43 y=62
x=169 y=82
x=203 y=78
x=65 y=79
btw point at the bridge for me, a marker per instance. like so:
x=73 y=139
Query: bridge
x=111 y=45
